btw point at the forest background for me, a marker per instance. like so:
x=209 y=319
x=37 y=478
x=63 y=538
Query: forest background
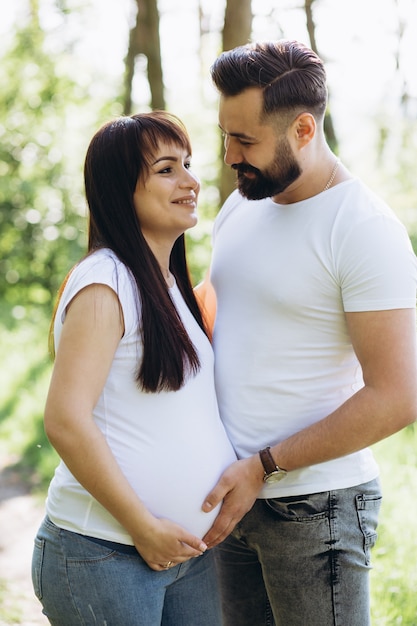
x=67 y=66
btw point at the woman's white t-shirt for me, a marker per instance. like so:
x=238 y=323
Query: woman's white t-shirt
x=171 y=446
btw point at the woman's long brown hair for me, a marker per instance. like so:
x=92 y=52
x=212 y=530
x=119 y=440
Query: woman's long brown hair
x=118 y=156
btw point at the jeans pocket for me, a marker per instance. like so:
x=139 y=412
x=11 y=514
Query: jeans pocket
x=37 y=563
x=304 y=508
x=367 y=507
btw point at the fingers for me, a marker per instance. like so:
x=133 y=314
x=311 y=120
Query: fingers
x=223 y=526
x=161 y=567
x=196 y=544
x=169 y=545
x=225 y=521
x=190 y=545
x=238 y=488
x=211 y=501
x=218 y=532
x=217 y=494
x=172 y=563
x=165 y=566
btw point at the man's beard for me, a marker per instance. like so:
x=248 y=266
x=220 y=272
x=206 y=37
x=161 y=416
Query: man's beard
x=283 y=171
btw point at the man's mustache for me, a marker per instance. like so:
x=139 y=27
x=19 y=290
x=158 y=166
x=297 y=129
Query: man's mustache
x=242 y=168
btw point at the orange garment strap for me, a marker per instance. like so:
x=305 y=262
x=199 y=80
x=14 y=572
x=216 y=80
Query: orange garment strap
x=206 y=298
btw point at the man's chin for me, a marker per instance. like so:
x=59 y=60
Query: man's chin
x=250 y=193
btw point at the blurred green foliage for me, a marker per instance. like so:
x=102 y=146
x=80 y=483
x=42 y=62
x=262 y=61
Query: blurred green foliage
x=48 y=111
x=41 y=214
x=51 y=104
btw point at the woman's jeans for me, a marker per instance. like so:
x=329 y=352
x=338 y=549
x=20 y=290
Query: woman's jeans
x=79 y=582
x=302 y=560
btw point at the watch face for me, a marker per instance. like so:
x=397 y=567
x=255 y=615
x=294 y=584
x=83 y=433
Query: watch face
x=274 y=477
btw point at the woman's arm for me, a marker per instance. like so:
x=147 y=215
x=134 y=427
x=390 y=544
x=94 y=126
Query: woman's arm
x=90 y=335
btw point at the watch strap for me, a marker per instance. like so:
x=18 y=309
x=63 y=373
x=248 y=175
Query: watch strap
x=267 y=461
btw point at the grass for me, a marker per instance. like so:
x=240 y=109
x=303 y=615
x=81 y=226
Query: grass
x=25 y=371
x=394 y=577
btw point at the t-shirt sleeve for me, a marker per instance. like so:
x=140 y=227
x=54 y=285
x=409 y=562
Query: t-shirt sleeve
x=377 y=266
x=101 y=268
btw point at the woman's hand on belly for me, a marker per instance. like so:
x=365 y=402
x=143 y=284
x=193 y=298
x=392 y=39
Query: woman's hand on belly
x=163 y=542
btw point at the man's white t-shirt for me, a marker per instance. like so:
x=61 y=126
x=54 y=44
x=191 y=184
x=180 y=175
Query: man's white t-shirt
x=284 y=276
x=171 y=445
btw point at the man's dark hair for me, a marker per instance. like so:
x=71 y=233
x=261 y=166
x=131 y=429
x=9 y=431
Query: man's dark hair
x=290 y=74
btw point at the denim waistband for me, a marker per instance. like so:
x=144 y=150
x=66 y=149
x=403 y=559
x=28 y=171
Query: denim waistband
x=112 y=545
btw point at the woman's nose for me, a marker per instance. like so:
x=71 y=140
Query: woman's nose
x=191 y=181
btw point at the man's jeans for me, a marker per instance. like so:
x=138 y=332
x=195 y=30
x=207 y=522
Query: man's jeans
x=79 y=582
x=301 y=561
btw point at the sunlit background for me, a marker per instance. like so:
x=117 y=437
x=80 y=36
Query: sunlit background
x=59 y=80
x=369 y=46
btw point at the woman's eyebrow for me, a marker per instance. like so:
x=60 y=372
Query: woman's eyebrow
x=169 y=158
x=165 y=158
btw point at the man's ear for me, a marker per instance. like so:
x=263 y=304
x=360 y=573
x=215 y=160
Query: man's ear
x=304 y=128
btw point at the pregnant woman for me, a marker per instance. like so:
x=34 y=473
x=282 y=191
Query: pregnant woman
x=131 y=408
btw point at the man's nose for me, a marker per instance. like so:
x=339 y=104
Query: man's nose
x=232 y=151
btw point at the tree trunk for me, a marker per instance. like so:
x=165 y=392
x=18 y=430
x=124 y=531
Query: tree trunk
x=329 y=130
x=236 y=32
x=237 y=23
x=144 y=39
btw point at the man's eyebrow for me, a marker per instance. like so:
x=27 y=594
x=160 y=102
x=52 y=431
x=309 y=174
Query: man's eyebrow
x=238 y=135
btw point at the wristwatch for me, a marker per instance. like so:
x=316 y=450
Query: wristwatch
x=273 y=473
